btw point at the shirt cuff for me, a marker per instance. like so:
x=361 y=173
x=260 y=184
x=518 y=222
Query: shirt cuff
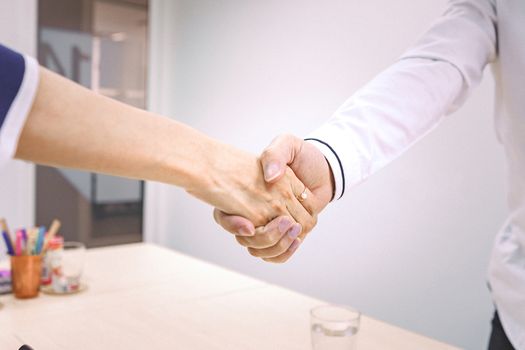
x=19 y=110
x=335 y=164
x=337 y=146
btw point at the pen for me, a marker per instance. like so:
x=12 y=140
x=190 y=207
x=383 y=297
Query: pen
x=26 y=241
x=4 y=227
x=24 y=238
x=7 y=237
x=31 y=241
x=8 y=243
x=55 y=226
x=40 y=240
x=18 y=243
x=53 y=229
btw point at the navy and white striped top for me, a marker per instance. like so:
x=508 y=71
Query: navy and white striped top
x=18 y=85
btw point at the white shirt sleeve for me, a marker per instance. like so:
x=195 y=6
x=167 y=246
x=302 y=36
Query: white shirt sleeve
x=406 y=101
x=20 y=108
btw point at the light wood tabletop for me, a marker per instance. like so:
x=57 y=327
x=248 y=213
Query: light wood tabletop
x=143 y=296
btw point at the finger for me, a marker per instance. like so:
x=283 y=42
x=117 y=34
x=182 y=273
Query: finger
x=269 y=235
x=303 y=194
x=278 y=155
x=233 y=223
x=302 y=211
x=280 y=247
x=287 y=255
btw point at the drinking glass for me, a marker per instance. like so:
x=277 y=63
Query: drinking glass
x=334 y=327
x=67 y=268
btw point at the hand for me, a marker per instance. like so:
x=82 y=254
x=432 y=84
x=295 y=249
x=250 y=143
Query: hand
x=278 y=240
x=235 y=184
x=102 y=135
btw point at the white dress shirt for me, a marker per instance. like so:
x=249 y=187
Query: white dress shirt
x=402 y=104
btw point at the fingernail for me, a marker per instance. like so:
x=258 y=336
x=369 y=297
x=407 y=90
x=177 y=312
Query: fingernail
x=284 y=225
x=244 y=231
x=294 y=231
x=271 y=170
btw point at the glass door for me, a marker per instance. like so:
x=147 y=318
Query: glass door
x=100 y=44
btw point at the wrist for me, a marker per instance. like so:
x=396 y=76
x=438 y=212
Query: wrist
x=332 y=179
x=227 y=178
x=334 y=165
x=184 y=156
x=204 y=168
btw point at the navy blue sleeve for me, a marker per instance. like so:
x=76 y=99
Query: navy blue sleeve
x=12 y=68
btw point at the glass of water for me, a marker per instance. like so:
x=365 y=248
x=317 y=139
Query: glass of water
x=67 y=268
x=334 y=327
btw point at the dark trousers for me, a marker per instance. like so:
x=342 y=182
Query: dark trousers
x=498 y=338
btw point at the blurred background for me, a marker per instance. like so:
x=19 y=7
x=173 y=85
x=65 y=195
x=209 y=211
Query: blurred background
x=101 y=45
x=409 y=246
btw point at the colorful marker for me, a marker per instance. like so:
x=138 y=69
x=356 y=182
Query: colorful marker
x=8 y=243
x=18 y=243
x=40 y=240
x=3 y=225
x=7 y=237
x=32 y=237
x=25 y=236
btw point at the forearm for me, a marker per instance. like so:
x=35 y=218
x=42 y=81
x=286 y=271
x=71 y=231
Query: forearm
x=407 y=100
x=70 y=126
x=383 y=119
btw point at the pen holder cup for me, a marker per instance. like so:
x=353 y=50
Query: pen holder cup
x=26 y=271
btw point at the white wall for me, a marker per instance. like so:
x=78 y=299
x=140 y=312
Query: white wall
x=18 y=21
x=409 y=246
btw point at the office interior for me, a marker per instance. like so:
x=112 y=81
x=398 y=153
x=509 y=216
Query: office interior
x=410 y=246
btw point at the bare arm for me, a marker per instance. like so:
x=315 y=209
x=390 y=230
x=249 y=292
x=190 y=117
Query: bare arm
x=71 y=126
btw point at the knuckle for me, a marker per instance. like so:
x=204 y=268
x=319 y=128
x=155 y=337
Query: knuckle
x=284 y=244
x=284 y=259
x=287 y=195
x=267 y=240
x=289 y=172
x=217 y=218
x=253 y=252
x=303 y=235
x=242 y=241
x=279 y=259
x=267 y=153
x=277 y=207
x=309 y=224
x=261 y=219
x=272 y=239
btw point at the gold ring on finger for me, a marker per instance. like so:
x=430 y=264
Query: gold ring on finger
x=304 y=195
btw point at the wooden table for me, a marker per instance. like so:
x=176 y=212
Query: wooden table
x=143 y=296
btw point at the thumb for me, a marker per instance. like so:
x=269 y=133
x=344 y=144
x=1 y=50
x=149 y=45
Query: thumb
x=278 y=155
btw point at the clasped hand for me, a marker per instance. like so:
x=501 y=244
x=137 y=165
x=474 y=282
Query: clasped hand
x=271 y=217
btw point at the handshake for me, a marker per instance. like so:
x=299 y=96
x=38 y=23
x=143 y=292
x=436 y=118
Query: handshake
x=271 y=203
